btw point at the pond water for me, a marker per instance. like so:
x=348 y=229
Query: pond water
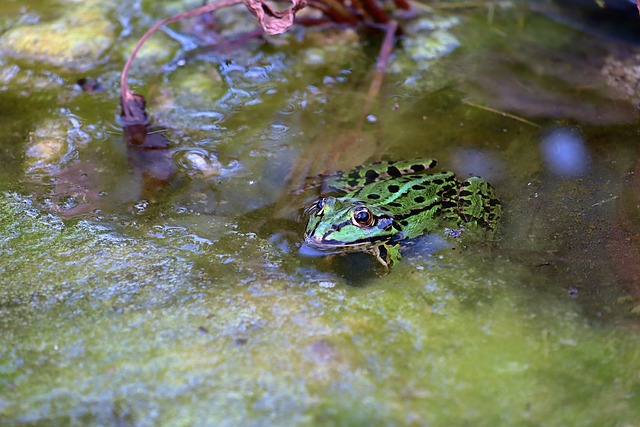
x=153 y=287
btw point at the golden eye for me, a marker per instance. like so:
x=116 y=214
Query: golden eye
x=362 y=217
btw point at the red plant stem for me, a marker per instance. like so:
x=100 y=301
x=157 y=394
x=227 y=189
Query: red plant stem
x=312 y=22
x=387 y=46
x=381 y=65
x=371 y=7
x=125 y=93
x=402 y=4
x=334 y=11
x=356 y=8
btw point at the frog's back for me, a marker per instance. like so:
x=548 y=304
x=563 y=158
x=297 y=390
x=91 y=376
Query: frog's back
x=370 y=174
x=424 y=203
x=409 y=193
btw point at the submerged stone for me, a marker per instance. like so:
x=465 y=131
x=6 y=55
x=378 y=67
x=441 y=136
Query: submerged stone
x=78 y=39
x=47 y=147
x=156 y=50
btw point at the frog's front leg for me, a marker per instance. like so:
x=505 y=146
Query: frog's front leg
x=387 y=255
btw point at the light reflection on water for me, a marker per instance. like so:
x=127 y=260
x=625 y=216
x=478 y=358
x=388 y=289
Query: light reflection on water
x=565 y=153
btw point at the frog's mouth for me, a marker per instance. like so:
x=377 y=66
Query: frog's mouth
x=315 y=251
x=328 y=246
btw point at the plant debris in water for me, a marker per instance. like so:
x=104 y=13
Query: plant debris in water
x=367 y=12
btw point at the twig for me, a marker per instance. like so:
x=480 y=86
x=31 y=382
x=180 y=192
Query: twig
x=602 y=202
x=502 y=113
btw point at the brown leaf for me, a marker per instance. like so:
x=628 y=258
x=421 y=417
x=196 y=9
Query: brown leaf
x=274 y=21
x=132 y=110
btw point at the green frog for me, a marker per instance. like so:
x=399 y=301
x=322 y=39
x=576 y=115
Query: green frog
x=383 y=204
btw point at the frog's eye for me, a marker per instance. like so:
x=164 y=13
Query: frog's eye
x=320 y=206
x=362 y=217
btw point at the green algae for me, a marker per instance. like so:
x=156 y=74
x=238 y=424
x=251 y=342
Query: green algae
x=101 y=328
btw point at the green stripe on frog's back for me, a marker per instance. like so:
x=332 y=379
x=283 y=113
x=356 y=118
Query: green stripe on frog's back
x=415 y=200
x=367 y=174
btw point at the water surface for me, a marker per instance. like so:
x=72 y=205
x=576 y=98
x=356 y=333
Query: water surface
x=151 y=287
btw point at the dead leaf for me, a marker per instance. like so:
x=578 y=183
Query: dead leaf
x=274 y=21
x=132 y=110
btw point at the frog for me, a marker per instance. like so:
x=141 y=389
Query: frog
x=379 y=207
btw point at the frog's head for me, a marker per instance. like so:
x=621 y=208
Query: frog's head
x=345 y=224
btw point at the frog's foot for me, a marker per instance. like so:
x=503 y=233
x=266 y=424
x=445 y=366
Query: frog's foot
x=454 y=233
x=478 y=203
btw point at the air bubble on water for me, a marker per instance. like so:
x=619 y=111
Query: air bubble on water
x=279 y=128
x=140 y=206
x=66 y=203
x=326 y=284
x=45 y=202
x=198 y=161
